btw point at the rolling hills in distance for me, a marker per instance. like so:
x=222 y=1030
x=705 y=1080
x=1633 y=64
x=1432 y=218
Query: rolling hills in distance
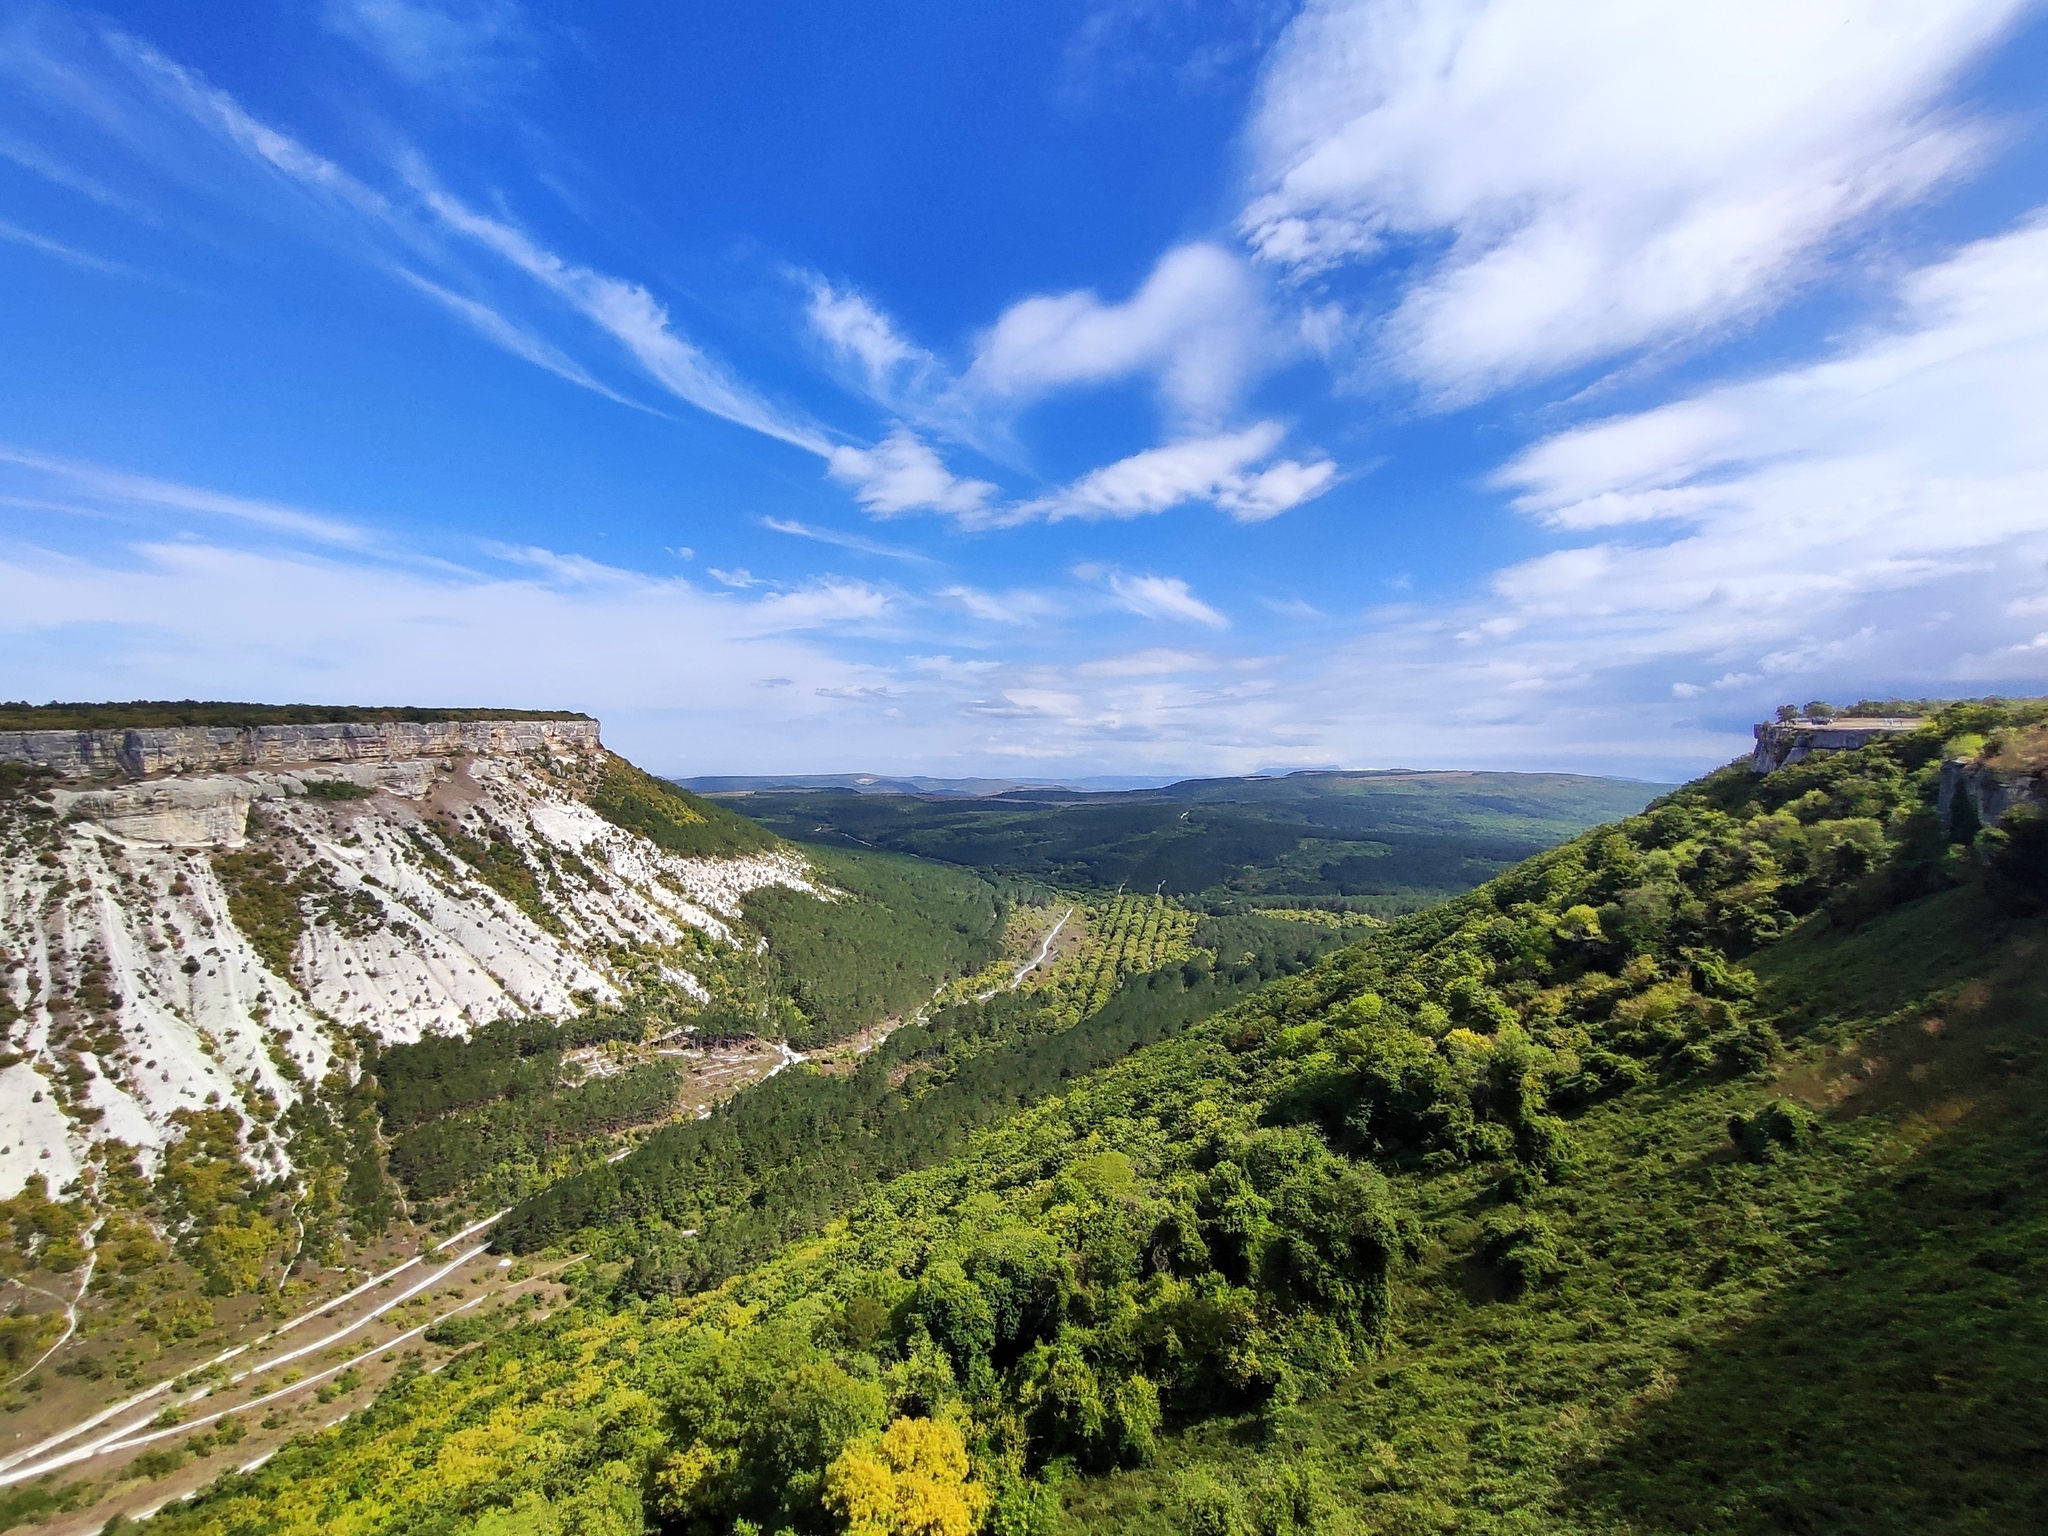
x=1379 y=842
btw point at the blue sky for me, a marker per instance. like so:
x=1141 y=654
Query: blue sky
x=1143 y=388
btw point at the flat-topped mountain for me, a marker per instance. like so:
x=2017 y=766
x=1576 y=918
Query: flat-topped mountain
x=219 y=914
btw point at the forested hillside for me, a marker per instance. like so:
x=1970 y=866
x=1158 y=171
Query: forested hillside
x=1687 y=1177
x=1371 y=842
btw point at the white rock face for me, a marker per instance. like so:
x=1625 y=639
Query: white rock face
x=134 y=994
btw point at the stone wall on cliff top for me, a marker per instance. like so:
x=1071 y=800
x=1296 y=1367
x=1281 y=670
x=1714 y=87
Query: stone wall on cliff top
x=137 y=753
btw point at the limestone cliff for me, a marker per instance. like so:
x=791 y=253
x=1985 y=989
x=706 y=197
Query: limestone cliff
x=213 y=917
x=1779 y=742
x=1982 y=792
x=135 y=753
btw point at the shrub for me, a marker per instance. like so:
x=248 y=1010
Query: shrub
x=1780 y=1123
x=1211 y=1505
x=337 y=789
x=1523 y=1246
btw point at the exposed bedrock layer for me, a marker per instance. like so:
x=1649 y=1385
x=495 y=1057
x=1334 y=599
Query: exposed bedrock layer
x=1782 y=742
x=1989 y=792
x=137 y=753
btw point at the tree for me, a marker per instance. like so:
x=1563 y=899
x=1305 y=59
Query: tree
x=914 y=1480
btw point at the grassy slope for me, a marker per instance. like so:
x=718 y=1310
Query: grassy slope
x=1850 y=1338
x=1847 y=1338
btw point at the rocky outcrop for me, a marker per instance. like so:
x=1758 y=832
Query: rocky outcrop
x=1987 y=792
x=138 y=753
x=1781 y=742
x=471 y=884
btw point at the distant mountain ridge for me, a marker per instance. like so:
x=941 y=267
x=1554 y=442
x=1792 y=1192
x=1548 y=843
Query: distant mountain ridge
x=1380 y=841
x=905 y=784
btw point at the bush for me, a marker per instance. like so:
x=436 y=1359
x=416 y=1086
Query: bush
x=1523 y=1246
x=1780 y=1123
x=1210 y=1505
x=336 y=789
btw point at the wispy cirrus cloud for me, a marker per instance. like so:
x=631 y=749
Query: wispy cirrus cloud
x=857 y=331
x=514 y=338
x=1233 y=472
x=404 y=230
x=859 y=543
x=103 y=485
x=460 y=44
x=16 y=235
x=633 y=317
x=1154 y=597
x=1016 y=607
x=1219 y=470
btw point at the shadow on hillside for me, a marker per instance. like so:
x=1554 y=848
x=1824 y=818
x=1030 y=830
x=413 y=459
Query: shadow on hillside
x=1900 y=1390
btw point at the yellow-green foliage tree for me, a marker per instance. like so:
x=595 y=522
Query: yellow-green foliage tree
x=911 y=1480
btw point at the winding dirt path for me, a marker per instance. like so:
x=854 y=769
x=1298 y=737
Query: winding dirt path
x=46 y=1454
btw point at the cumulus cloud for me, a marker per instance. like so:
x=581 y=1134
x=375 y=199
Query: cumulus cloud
x=902 y=474
x=1197 y=324
x=1575 y=181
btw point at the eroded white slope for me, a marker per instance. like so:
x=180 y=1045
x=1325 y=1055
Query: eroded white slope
x=136 y=994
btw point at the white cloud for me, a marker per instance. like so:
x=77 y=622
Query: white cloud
x=741 y=578
x=1198 y=324
x=1213 y=469
x=1605 y=174
x=15 y=234
x=494 y=327
x=1802 y=525
x=430 y=44
x=120 y=488
x=852 y=541
x=1163 y=597
x=1156 y=662
x=998 y=607
x=633 y=317
x=902 y=474
x=165 y=620
x=820 y=604
x=855 y=330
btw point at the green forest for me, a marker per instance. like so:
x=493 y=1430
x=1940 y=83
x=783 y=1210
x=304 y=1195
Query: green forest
x=1685 y=1177
x=899 y=928
x=1383 y=843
